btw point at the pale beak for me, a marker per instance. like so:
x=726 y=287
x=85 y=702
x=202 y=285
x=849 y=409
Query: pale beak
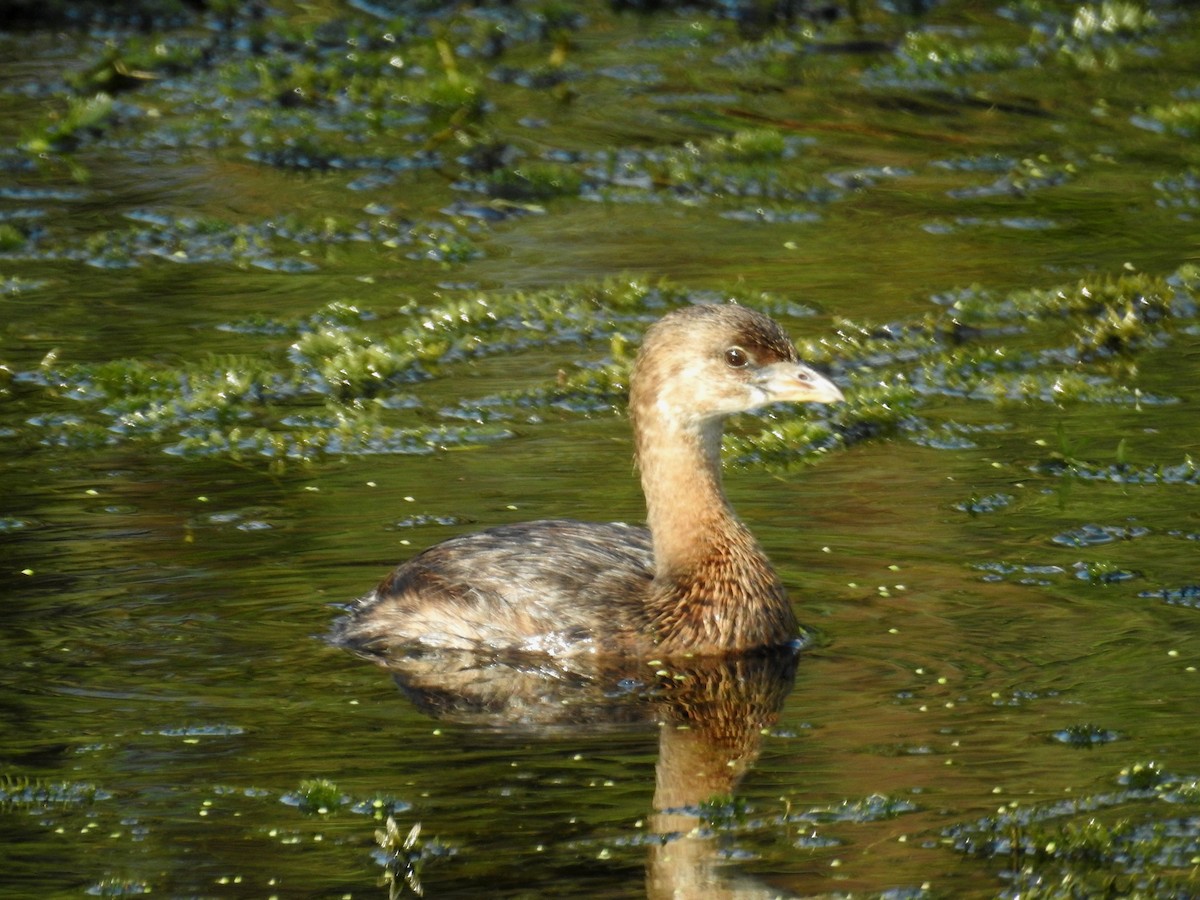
x=797 y=383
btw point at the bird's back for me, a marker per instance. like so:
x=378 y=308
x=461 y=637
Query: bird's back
x=554 y=586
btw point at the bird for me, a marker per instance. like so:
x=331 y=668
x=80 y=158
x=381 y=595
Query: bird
x=694 y=582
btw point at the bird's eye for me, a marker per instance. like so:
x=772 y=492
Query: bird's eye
x=736 y=358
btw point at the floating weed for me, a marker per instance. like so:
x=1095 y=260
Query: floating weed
x=1021 y=573
x=65 y=131
x=1188 y=595
x=15 y=285
x=536 y=181
x=350 y=365
x=336 y=387
x=988 y=503
x=782 y=445
x=722 y=812
x=317 y=795
x=926 y=57
x=1102 y=573
x=748 y=146
x=404 y=855
x=381 y=806
x=1116 y=332
x=1084 y=735
x=1121 y=472
x=119 y=887
x=1181 y=192
x=587 y=390
x=136 y=63
x=1181 y=117
x=451 y=100
x=1112 y=18
x=874 y=808
x=35 y=795
x=1127 y=842
x=1026 y=176
x=1092 y=535
x=11 y=239
x=1147 y=295
x=1143 y=776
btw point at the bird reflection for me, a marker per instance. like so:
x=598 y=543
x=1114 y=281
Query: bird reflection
x=711 y=714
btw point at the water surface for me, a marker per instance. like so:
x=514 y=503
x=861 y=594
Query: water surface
x=297 y=306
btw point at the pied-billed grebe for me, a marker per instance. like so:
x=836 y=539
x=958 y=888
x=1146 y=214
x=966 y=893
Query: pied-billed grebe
x=696 y=582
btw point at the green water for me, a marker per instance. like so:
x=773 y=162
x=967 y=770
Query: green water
x=981 y=219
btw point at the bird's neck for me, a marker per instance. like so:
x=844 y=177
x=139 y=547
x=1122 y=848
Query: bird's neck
x=714 y=589
x=686 y=507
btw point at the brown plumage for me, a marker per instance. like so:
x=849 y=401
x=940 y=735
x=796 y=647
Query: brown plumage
x=696 y=582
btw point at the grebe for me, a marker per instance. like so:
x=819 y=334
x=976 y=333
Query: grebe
x=695 y=582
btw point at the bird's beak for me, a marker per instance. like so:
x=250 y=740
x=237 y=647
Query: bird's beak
x=797 y=383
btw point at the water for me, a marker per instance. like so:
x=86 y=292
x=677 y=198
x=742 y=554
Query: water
x=1002 y=588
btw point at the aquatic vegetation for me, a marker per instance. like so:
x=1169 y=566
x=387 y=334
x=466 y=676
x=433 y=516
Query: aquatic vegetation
x=136 y=62
x=749 y=146
x=1025 y=176
x=986 y=504
x=403 y=858
x=1092 y=535
x=1092 y=38
x=84 y=117
x=1084 y=735
x=11 y=238
x=1181 y=192
x=1182 y=118
x=926 y=56
x=357 y=367
x=1188 y=595
x=319 y=795
x=1112 y=17
x=1103 y=572
x=537 y=181
x=1138 y=839
x=34 y=795
x=873 y=808
x=119 y=887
